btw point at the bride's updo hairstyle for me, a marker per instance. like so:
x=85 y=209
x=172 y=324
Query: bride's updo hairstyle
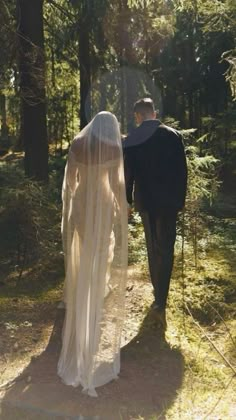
x=100 y=140
x=105 y=127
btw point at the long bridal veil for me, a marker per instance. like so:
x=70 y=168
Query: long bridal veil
x=94 y=232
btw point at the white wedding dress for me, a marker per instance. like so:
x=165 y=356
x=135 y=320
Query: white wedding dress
x=94 y=229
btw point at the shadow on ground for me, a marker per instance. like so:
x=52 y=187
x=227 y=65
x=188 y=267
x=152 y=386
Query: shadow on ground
x=151 y=375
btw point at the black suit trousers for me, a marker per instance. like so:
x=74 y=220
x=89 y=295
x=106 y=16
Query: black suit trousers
x=160 y=233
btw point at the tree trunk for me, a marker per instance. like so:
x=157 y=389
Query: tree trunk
x=122 y=93
x=4 y=128
x=190 y=108
x=19 y=147
x=85 y=71
x=32 y=87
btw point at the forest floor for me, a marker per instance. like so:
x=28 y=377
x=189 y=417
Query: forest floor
x=189 y=374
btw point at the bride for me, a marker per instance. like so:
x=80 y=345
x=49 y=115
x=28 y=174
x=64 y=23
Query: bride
x=94 y=231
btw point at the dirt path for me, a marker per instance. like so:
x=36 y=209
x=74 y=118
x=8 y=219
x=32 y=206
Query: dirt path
x=151 y=372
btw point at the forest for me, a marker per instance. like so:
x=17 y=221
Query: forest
x=61 y=62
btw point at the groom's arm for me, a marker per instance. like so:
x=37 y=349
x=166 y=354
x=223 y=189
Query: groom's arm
x=129 y=176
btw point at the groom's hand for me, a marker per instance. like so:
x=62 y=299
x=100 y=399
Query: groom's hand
x=129 y=211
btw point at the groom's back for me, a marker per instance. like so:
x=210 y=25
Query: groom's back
x=156 y=157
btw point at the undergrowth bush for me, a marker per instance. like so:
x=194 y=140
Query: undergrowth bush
x=29 y=217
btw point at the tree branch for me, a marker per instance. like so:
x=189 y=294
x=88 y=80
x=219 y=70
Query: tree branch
x=69 y=15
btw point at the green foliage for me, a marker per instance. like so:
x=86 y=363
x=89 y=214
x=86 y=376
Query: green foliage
x=30 y=218
x=177 y=45
x=62 y=72
x=230 y=57
x=140 y=3
x=7 y=56
x=201 y=175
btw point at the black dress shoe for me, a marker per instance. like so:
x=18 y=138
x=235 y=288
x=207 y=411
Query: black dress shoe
x=159 y=316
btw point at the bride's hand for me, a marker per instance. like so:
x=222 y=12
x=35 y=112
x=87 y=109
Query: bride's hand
x=129 y=211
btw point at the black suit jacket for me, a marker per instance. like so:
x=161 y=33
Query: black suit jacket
x=155 y=168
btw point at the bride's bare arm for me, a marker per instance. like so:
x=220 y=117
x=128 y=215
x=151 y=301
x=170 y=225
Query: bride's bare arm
x=116 y=182
x=72 y=170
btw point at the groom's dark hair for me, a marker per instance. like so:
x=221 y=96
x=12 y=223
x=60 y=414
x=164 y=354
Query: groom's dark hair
x=144 y=106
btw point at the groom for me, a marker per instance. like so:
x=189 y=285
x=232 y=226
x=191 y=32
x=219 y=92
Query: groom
x=156 y=180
